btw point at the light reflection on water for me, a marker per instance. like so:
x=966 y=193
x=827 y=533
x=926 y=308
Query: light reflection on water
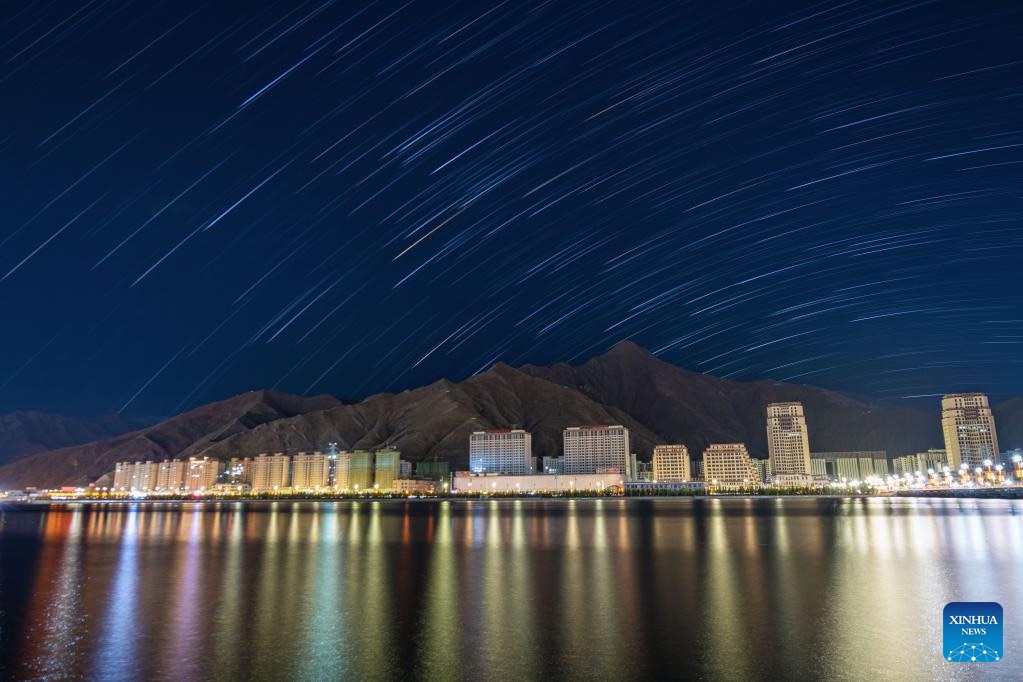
x=522 y=589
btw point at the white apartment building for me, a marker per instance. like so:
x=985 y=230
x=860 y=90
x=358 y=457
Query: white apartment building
x=501 y=451
x=671 y=463
x=597 y=449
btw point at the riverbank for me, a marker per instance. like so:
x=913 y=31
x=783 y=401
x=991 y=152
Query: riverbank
x=967 y=493
x=986 y=493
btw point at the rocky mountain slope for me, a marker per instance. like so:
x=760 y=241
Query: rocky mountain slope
x=192 y=430
x=26 y=433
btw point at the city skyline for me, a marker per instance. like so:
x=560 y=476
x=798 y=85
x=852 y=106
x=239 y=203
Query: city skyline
x=598 y=458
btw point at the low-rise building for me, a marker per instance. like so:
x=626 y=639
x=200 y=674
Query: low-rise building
x=934 y=459
x=469 y=483
x=433 y=471
x=411 y=486
x=639 y=488
x=852 y=466
x=553 y=465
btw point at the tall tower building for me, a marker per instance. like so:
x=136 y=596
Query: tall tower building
x=788 y=445
x=728 y=465
x=671 y=463
x=969 y=429
x=501 y=451
x=597 y=449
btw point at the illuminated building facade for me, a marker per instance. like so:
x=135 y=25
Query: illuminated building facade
x=671 y=463
x=386 y=469
x=271 y=472
x=597 y=449
x=788 y=445
x=468 y=482
x=969 y=429
x=501 y=451
x=202 y=473
x=171 y=476
x=728 y=465
x=310 y=471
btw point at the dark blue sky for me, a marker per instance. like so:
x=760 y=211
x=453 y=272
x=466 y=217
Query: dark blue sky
x=203 y=198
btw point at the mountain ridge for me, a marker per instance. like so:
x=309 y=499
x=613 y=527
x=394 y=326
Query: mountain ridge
x=27 y=432
x=658 y=402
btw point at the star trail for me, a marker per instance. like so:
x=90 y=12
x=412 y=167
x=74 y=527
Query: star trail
x=206 y=198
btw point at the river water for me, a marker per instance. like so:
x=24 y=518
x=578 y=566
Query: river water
x=731 y=589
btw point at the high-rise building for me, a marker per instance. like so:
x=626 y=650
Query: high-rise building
x=271 y=472
x=969 y=429
x=386 y=469
x=144 y=476
x=171 y=476
x=122 y=476
x=671 y=463
x=405 y=469
x=202 y=473
x=727 y=465
x=788 y=445
x=239 y=470
x=342 y=465
x=360 y=470
x=597 y=449
x=501 y=451
x=310 y=471
x=763 y=467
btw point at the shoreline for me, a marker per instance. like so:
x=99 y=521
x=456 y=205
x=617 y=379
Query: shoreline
x=997 y=494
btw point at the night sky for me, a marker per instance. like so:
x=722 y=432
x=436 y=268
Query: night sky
x=205 y=198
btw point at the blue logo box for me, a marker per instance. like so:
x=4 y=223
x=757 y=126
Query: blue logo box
x=972 y=632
